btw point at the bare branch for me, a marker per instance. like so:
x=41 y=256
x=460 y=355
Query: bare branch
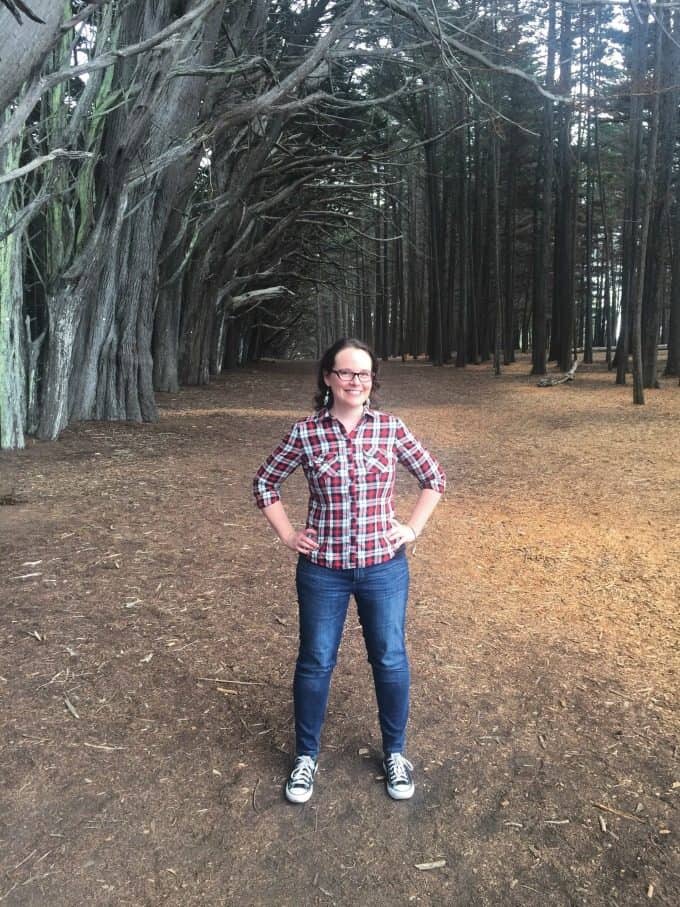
x=39 y=161
x=16 y=7
x=220 y=69
x=274 y=97
x=267 y=293
x=24 y=216
x=82 y=15
x=26 y=104
x=410 y=11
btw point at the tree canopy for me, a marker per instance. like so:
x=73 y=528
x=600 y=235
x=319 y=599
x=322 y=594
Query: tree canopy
x=186 y=185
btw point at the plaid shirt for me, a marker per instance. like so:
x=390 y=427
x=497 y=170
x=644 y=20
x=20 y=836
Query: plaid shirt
x=351 y=482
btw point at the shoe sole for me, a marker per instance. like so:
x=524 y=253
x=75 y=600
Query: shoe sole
x=400 y=795
x=298 y=798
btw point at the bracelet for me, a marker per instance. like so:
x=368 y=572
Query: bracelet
x=415 y=534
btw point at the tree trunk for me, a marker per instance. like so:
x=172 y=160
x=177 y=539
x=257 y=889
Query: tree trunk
x=12 y=340
x=435 y=321
x=588 y=296
x=166 y=337
x=196 y=327
x=673 y=361
x=607 y=253
x=666 y=108
x=646 y=215
x=494 y=189
x=545 y=174
x=476 y=349
x=509 y=332
x=464 y=302
x=13 y=371
x=24 y=46
x=631 y=215
x=564 y=305
x=110 y=375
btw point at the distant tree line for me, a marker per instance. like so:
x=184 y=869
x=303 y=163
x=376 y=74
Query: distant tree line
x=186 y=185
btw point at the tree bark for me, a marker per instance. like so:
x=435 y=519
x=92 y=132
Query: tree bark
x=13 y=351
x=564 y=302
x=24 y=46
x=646 y=215
x=673 y=361
x=666 y=109
x=435 y=321
x=631 y=214
x=110 y=376
x=15 y=365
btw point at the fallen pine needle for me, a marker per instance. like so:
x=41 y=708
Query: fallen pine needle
x=259 y=683
x=617 y=812
x=435 y=864
x=103 y=746
x=557 y=821
x=25 y=859
x=69 y=705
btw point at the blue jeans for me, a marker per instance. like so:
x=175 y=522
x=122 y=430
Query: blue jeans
x=381 y=592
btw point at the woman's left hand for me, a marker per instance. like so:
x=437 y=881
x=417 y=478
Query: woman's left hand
x=401 y=534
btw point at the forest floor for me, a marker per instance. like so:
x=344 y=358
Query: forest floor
x=148 y=636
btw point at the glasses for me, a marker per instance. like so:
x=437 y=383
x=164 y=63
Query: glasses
x=347 y=375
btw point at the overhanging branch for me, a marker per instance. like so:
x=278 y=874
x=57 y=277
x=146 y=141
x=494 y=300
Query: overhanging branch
x=39 y=161
x=26 y=103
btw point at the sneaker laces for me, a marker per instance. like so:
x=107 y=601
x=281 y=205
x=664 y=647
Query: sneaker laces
x=398 y=769
x=303 y=772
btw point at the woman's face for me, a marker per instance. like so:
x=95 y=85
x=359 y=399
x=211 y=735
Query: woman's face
x=353 y=392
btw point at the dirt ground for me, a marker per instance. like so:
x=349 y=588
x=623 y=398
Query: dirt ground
x=148 y=636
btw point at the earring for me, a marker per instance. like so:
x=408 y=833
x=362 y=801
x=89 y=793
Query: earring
x=327 y=396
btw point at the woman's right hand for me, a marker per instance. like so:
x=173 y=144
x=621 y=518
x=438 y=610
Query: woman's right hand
x=303 y=541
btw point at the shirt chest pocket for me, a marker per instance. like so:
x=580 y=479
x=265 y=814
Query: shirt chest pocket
x=376 y=462
x=326 y=469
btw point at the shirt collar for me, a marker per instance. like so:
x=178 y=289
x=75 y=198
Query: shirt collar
x=324 y=415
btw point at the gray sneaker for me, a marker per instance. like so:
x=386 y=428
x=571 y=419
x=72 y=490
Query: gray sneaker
x=398 y=777
x=300 y=784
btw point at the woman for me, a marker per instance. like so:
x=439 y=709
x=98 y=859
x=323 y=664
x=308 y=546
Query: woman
x=352 y=545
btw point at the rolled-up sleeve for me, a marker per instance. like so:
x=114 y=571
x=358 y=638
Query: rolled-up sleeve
x=419 y=461
x=276 y=468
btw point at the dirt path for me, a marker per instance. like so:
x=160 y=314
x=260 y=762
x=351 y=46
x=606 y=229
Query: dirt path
x=148 y=635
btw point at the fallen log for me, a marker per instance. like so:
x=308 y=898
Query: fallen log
x=552 y=380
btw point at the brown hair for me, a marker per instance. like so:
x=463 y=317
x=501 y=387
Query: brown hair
x=327 y=362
